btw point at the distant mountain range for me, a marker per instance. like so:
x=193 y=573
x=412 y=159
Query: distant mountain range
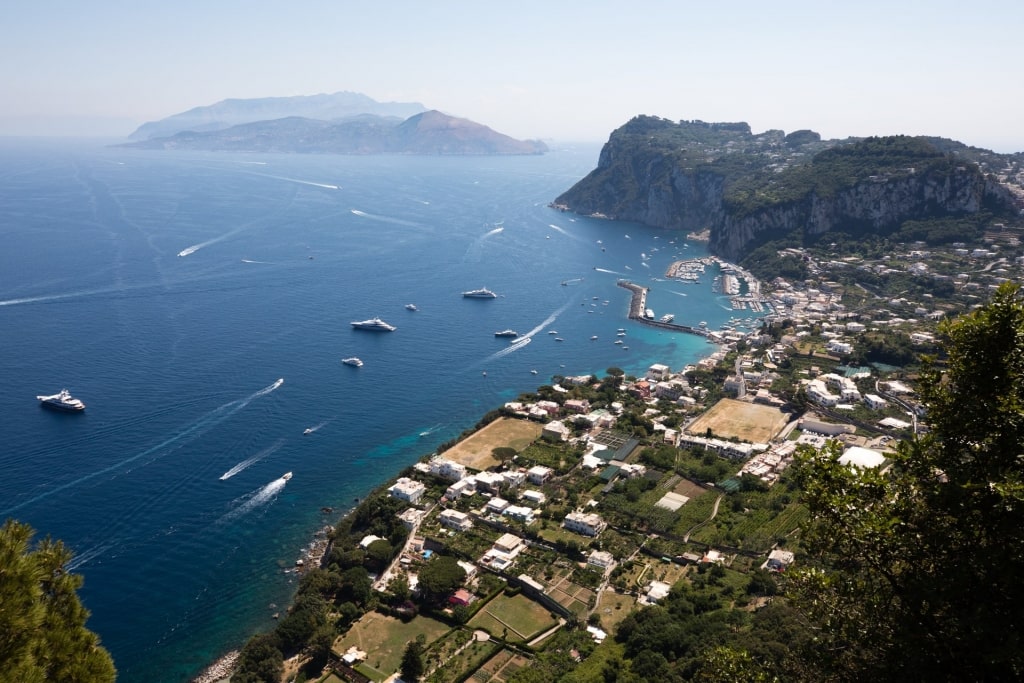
x=342 y=123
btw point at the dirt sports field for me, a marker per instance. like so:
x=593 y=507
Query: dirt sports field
x=745 y=421
x=475 y=452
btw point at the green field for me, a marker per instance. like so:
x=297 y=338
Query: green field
x=521 y=617
x=383 y=639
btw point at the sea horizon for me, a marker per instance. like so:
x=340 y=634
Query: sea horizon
x=200 y=305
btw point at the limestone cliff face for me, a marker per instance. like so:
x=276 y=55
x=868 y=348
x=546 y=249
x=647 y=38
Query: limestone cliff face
x=748 y=189
x=644 y=186
x=876 y=205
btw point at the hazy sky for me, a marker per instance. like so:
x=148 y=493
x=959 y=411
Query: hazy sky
x=561 y=70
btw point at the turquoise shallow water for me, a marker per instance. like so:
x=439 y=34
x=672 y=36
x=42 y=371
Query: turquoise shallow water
x=200 y=305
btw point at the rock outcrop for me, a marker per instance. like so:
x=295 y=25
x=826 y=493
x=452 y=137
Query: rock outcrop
x=747 y=189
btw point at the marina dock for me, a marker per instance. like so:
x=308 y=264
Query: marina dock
x=637 y=304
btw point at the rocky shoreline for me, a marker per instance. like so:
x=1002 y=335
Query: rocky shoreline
x=220 y=670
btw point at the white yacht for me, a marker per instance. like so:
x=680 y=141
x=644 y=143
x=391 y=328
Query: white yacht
x=374 y=325
x=353 y=361
x=411 y=307
x=62 y=400
x=482 y=293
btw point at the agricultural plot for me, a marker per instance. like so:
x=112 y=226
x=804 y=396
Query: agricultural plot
x=745 y=421
x=516 y=618
x=572 y=596
x=475 y=451
x=499 y=668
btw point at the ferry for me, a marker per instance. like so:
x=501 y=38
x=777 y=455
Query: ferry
x=649 y=314
x=667 y=318
x=506 y=333
x=482 y=293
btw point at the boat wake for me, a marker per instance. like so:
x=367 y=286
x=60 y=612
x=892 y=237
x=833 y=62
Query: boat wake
x=188 y=251
x=314 y=428
x=385 y=219
x=326 y=186
x=677 y=293
x=495 y=231
x=605 y=270
x=193 y=431
x=246 y=260
x=256 y=499
x=428 y=432
x=85 y=557
x=525 y=339
x=251 y=461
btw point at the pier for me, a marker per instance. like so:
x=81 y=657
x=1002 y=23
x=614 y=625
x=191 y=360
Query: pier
x=637 y=304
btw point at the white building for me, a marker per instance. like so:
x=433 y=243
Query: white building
x=408 y=490
x=658 y=372
x=520 y=513
x=874 y=401
x=585 y=523
x=556 y=431
x=453 y=519
x=535 y=498
x=538 y=474
x=857 y=456
x=446 y=469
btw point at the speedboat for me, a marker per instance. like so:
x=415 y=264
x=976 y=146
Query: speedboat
x=353 y=361
x=308 y=430
x=411 y=307
x=593 y=337
x=286 y=476
x=374 y=325
x=533 y=372
x=482 y=293
x=552 y=331
x=62 y=400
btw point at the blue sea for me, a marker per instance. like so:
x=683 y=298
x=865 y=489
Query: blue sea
x=200 y=305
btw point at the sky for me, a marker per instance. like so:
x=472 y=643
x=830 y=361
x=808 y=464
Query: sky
x=559 y=70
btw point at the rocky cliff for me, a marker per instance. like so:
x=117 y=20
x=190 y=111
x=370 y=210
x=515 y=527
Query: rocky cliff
x=748 y=189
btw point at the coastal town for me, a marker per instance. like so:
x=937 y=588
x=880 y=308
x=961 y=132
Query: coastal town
x=565 y=512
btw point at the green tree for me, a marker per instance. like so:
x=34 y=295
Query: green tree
x=440 y=577
x=42 y=623
x=919 y=573
x=260 y=661
x=412 y=662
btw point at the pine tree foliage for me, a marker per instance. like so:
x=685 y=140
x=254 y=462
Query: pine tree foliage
x=920 y=565
x=42 y=622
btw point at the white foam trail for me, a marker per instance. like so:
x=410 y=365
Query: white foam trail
x=254 y=163
x=187 y=251
x=514 y=346
x=251 y=461
x=317 y=427
x=605 y=270
x=58 y=297
x=678 y=293
x=258 y=498
x=385 y=219
x=522 y=341
x=246 y=260
x=206 y=422
x=91 y=554
x=300 y=182
x=493 y=232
